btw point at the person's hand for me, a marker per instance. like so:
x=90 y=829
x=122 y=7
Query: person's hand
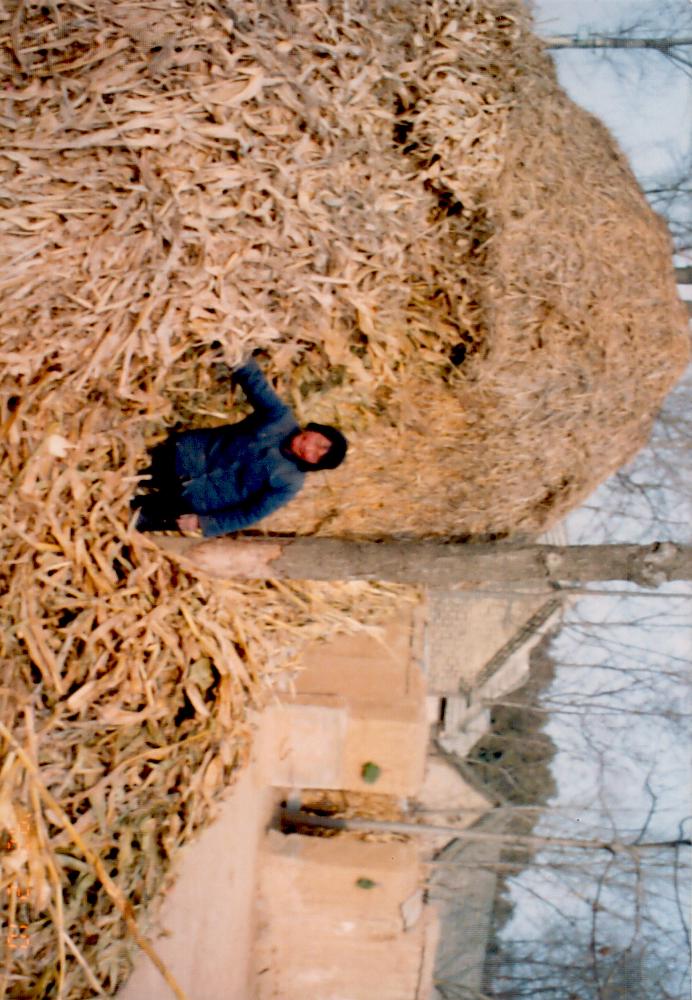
x=188 y=522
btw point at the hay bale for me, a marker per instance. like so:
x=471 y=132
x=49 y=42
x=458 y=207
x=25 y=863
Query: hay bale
x=355 y=187
x=577 y=334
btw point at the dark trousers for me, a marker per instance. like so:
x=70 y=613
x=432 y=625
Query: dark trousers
x=163 y=504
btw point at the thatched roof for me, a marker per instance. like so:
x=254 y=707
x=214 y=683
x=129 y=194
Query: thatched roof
x=436 y=249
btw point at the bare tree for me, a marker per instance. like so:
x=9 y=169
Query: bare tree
x=619 y=710
x=664 y=29
x=553 y=968
x=651 y=497
x=670 y=194
x=636 y=45
x=592 y=925
x=431 y=562
x=669 y=47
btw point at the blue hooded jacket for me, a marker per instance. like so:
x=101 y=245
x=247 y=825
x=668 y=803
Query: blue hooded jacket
x=236 y=474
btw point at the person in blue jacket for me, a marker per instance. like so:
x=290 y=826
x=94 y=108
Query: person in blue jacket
x=223 y=479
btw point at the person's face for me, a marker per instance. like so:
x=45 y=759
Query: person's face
x=310 y=446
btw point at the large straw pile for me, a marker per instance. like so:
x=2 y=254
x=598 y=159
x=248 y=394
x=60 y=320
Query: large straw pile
x=436 y=249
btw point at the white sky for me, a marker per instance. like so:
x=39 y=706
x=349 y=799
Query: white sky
x=647 y=105
x=645 y=101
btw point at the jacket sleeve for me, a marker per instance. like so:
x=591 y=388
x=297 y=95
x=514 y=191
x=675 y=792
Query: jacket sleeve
x=259 y=393
x=243 y=514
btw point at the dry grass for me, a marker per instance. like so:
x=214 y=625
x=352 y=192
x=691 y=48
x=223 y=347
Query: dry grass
x=367 y=190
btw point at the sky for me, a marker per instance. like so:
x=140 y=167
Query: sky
x=650 y=114
x=645 y=101
x=619 y=776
